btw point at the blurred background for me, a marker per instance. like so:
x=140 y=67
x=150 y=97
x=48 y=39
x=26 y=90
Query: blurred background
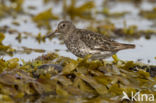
x=24 y=23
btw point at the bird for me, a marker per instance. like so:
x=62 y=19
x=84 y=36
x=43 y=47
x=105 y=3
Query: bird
x=83 y=42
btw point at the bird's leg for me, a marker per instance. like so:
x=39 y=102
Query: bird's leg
x=102 y=61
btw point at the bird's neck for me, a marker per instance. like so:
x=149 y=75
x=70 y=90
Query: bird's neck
x=69 y=35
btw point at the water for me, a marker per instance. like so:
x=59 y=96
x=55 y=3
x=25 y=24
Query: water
x=145 y=49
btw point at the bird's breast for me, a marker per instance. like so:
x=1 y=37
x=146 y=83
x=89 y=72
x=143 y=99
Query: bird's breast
x=76 y=46
x=71 y=44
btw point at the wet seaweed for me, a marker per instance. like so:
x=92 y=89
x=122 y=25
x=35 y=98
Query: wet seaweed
x=80 y=77
x=5 y=49
x=60 y=79
x=149 y=14
x=82 y=11
x=43 y=19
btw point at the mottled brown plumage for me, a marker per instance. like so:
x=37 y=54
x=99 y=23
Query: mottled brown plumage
x=82 y=42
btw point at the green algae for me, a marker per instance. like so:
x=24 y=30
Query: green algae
x=3 y=65
x=106 y=12
x=149 y=14
x=131 y=32
x=40 y=38
x=12 y=10
x=60 y=79
x=104 y=80
x=16 y=23
x=43 y=19
x=82 y=11
x=4 y=49
x=116 y=59
x=30 y=50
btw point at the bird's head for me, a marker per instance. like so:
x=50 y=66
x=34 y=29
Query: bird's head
x=64 y=27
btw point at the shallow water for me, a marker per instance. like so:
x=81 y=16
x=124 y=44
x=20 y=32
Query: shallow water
x=145 y=49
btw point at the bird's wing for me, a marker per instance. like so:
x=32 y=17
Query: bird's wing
x=98 y=41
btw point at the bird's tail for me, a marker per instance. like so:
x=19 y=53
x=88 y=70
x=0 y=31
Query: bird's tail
x=127 y=46
x=120 y=46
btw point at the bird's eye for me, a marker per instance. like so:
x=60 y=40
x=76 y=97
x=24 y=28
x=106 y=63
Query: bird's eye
x=63 y=25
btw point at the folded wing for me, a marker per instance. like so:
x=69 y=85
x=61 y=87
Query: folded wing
x=97 y=41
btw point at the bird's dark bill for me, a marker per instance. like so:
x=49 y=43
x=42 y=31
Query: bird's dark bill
x=51 y=34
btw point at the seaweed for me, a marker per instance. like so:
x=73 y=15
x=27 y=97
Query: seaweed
x=109 y=29
x=3 y=48
x=43 y=19
x=106 y=12
x=149 y=14
x=104 y=80
x=54 y=78
x=11 y=10
x=81 y=11
x=40 y=38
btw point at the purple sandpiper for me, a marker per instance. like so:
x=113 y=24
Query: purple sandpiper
x=82 y=42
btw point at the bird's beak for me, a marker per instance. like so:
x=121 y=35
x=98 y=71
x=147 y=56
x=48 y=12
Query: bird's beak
x=51 y=34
